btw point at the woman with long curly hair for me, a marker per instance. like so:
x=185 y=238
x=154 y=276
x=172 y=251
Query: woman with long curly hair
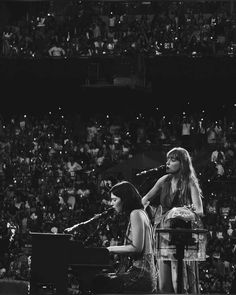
x=175 y=193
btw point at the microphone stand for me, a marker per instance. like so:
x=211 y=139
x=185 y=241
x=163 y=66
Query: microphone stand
x=92 y=235
x=95 y=217
x=152 y=181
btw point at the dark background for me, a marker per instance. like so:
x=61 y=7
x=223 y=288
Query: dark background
x=170 y=83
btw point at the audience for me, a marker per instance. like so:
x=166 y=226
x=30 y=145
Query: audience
x=53 y=177
x=101 y=28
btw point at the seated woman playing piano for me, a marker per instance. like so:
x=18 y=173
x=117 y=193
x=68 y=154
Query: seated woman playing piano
x=138 y=270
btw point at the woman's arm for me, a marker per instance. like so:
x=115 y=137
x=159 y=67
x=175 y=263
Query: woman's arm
x=138 y=235
x=196 y=199
x=152 y=192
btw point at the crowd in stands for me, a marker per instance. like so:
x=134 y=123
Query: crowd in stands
x=87 y=28
x=52 y=177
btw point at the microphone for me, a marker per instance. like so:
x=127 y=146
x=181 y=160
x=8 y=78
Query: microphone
x=104 y=213
x=162 y=167
x=96 y=216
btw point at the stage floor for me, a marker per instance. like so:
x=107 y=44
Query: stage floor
x=16 y=287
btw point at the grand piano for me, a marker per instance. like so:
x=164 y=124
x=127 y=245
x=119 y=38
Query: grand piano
x=55 y=255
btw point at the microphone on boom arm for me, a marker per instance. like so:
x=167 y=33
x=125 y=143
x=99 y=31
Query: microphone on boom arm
x=96 y=216
x=161 y=168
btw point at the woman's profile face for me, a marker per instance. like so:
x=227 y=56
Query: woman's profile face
x=172 y=164
x=116 y=203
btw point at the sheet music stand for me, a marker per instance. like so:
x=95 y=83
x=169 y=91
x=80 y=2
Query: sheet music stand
x=181 y=245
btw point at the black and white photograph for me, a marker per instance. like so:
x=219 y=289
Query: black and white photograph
x=117 y=147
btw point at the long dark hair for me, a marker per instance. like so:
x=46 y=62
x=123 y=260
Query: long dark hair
x=131 y=200
x=129 y=195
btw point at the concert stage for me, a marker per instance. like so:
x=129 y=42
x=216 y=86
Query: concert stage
x=17 y=287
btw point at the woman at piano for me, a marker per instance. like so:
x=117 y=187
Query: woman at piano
x=137 y=272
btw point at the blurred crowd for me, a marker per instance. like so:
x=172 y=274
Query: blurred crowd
x=88 y=28
x=53 y=175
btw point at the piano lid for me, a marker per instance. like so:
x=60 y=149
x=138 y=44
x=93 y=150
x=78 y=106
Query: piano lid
x=74 y=252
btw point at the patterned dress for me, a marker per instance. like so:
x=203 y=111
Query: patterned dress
x=137 y=273
x=141 y=275
x=168 y=269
